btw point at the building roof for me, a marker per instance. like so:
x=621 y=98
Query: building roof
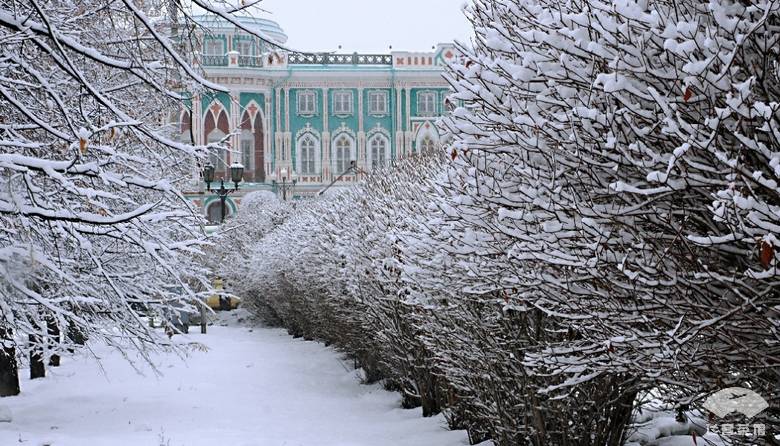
x=264 y=26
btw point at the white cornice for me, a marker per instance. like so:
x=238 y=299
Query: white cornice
x=351 y=79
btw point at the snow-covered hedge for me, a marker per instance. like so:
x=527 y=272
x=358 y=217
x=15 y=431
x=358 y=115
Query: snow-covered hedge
x=604 y=224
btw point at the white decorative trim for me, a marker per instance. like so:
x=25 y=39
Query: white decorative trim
x=423 y=131
x=378 y=129
x=344 y=129
x=325 y=110
x=208 y=109
x=305 y=130
x=253 y=117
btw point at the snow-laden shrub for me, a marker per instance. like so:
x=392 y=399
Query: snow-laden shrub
x=605 y=227
x=597 y=142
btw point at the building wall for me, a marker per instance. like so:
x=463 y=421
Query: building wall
x=265 y=90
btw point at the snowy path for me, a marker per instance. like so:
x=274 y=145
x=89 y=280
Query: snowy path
x=258 y=387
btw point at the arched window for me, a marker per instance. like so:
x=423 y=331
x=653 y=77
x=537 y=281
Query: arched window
x=427 y=145
x=185 y=128
x=343 y=154
x=378 y=148
x=307 y=155
x=218 y=157
x=248 y=150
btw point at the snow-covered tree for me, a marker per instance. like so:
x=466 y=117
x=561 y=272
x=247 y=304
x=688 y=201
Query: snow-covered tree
x=605 y=229
x=93 y=227
x=594 y=138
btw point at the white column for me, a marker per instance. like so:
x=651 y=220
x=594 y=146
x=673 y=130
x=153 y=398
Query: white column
x=277 y=153
x=287 y=135
x=197 y=121
x=267 y=132
x=326 y=173
x=287 y=109
x=407 y=136
x=399 y=113
x=235 y=127
x=361 y=134
x=288 y=148
x=278 y=110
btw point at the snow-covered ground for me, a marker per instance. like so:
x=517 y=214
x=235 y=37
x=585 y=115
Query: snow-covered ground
x=254 y=386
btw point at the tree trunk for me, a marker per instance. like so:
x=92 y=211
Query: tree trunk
x=75 y=335
x=54 y=341
x=9 y=371
x=37 y=368
x=203 y=318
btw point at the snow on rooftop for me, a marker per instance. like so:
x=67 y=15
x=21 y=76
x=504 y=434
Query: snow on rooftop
x=267 y=26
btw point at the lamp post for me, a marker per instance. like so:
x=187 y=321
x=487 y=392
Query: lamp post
x=236 y=174
x=351 y=169
x=284 y=186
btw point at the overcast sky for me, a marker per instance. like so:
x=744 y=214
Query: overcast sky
x=368 y=25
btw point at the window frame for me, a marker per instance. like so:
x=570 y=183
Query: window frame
x=378 y=161
x=312 y=95
x=338 y=100
x=212 y=41
x=240 y=41
x=346 y=153
x=427 y=98
x=307 y=145
x=384 y=101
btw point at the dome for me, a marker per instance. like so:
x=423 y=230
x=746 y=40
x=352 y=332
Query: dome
x=265 y=26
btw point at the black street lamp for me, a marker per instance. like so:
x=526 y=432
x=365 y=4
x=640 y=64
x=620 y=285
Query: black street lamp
x=353 y=168
x=284 y=186
x=236 y=174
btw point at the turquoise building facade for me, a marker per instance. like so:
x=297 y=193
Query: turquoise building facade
x=308 y=115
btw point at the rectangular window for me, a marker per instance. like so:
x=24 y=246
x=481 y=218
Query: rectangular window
x=245 y=47
x=426 y=103
x=307 y=103
x=377 y=102
x=214 y=47
x=342 y=102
